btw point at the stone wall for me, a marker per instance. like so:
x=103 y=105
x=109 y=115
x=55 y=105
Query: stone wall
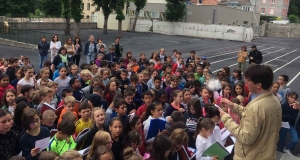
x=50 y=25
x=291 y=30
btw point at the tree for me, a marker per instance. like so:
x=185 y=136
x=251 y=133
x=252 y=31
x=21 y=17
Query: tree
x=293 y=18
x=66 y=13
x=107 y=8
x=140 y=4
x=76 y=13
x=17 y=8
x=120 y=15
x=51 y=8
x=294 y=8
x=175 y=10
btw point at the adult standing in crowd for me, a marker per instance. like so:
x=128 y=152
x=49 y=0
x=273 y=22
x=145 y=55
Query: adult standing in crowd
x=242 y=56
x=90 y=50
x=118 y=48
x=261 y=118
x=43 y=47
x=55 y=44
x=255 y=56
x=78 y=49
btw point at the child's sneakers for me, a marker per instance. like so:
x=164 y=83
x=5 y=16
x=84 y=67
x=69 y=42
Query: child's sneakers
x=287 y=151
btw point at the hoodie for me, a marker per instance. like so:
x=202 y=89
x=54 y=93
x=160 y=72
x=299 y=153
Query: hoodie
x=3 y=89
x=146 y=125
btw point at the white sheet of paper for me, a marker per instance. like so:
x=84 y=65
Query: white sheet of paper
x=225 y=135
x=192 y=149
x=229 y=148
x=223 y=130
x=219 y=107
x=20 y=154
x=132 y=114
x=42 y=143
x=233 y=139
x=285 y=125
x=82 y=151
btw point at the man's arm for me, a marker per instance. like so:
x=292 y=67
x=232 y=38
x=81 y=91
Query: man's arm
x=237 y=109
x=248 y=133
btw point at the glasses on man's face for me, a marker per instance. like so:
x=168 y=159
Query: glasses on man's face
x=34 y=121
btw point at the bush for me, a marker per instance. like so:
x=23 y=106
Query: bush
x=293 y=18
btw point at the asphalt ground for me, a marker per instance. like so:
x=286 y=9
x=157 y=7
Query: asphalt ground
x=281 y=54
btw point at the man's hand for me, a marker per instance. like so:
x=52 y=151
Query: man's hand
x=221 y=112
x=226 y=103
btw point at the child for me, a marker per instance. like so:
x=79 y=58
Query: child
x=204 y=99
x=141 y=81
x=238 y=90
x=55 y=100
x=63 y=141
x=162 y=98
x=174 y=86
x=147 y=97
x=199 y=74
x=69 y=104
x=120 y=109
x=70 y=154
x=129 y=70
x=158 y=64
x=100 y=138
x=76 y=86
x=34 y=132
x=18 y=75
x=176 y=99
x=162 y=146
x=226 y=71
x=115 y=128
x=191 y=57
x=70 y=50
x=226 y=93
x=157 y=86
x=105 y=74
x=102 y=152
x=9 y=97
x=4 y=84
x=276 y=92
x=128 y=58
x=43 y=83
x=191 y=86
x=186 y=97
x=11 y=70
x=44 y=74
x=95 y=100
x=85 y=78
x=289 y=114
x=150 y=83
x=62 y=80
x=74 y=71
x=4 y=66
x=167 y=80
x=94 y=70
x=8 y=138
x=98 y=118
x=134 y=140
x=131 y=107
x=135 y=66
x=178 y=65
x=85 y=121
x=204 y=130
x=46 y=96
x=28 y=79
x=110 y=91
x=142 y=59
x=99 y=59
x=236 y=77
x=284 y=89
x=154 y=111
x=130 y=153
x=48 y=119
x=175 y=117
x=177 y=57
x=124 y=81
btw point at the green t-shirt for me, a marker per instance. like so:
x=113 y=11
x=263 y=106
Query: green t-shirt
x=61 y=147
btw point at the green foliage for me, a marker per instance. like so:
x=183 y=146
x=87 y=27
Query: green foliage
x=293 y=18
x=119 y=10
x=51 y=8
x=140 y=4
x=268 y=18
x=176 y=10
x=76 y=10
x=294 y=8
x=66 y=9
x=17 y=8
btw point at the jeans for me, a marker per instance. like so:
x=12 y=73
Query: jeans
x=282 y=136
x=43 y=59
x=77 y=59
x=241 y=66
x=90 y=57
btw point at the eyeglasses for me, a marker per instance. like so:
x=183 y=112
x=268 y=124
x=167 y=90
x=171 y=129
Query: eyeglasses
x=109 y=142
x=34 y=121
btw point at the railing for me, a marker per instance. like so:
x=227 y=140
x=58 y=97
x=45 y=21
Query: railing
x=27 y=19
x=27 y=36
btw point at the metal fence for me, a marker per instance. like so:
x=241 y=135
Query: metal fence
x=12 y=32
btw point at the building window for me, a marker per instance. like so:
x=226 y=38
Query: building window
x=263 y=10
x=88 y=6
x=246 y=8
x=264 y=1
x=82 y=6
x=271 y=10
x=245 y=22
x=87 y=16
x=272 y=1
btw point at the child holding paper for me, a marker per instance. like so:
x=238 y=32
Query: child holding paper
x=154 y=111
x=34 y=132
x=204 y=130
x=213 y=113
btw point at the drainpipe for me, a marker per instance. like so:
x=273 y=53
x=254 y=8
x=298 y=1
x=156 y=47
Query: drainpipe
x=214 y=14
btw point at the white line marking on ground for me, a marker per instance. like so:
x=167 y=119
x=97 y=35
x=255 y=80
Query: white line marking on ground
x=293 y=79
x=233 y=57
x=236 y=51
x=286 y=64
x=248 y=60
x=280 y=56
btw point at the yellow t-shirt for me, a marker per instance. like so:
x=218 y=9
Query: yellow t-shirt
x=80 y=125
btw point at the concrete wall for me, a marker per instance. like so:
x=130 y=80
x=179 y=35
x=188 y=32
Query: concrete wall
x=112 y=23
x=283 y=30
x=223 y=15
x=49 y=25
x=27 y=19
x=235 y=33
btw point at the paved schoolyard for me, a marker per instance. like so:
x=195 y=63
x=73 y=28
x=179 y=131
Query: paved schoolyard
x=281 y=54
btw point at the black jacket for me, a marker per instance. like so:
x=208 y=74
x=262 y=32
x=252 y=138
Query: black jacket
x=289 y=114
x=43 y=48
x=256 y=57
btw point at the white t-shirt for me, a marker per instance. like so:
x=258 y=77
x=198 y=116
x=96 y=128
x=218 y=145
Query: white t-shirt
x=202 y=144
x=23 y=82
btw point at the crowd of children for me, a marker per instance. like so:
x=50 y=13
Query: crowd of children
x=106 y=108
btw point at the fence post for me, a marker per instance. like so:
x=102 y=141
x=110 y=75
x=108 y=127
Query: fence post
x=26 y=36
